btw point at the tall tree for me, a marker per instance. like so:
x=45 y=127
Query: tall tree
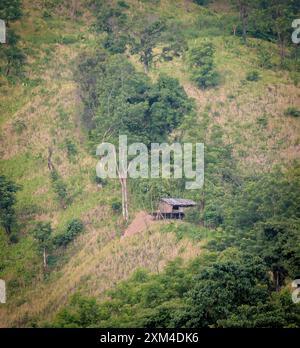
x=8 y=190
x=221 y=288
x=12 y=55
x=276 y=16
x=42 y=233
x=282 y=14
x=201 y=63
x=244 y=8
x=10 y=10
x=144 y=38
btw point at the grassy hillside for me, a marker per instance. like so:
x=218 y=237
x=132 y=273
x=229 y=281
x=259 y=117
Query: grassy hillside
x=42 y=109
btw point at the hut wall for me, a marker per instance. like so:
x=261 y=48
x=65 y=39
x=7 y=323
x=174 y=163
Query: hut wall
x=165 y=208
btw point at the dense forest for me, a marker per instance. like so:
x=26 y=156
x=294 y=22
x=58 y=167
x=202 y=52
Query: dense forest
x=75 y=74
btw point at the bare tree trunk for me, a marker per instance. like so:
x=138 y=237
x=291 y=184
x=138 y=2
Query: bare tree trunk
x=202 y=207
x=277 y=280
x=123 y=182
x=280 y=36
x=281 y=48
x=187 y=6
x=145 y=58
x=244 y=16
x=74 y=8
x=126 y=215
x=146 y=67
x=234 y=30
x=7 y=70
x=244 y=19
x=7 y=229
x=50 y=164
x=45 y=258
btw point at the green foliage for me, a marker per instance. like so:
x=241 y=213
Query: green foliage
x=115 y=43
x=176 y=47
x=221 y=289
x=60 y=189
x=262 y=121
x=126 y=102
x=278 y=312
x=141 y=34
x=253 y=76
x=264 y=218
x=147 y=36
x=99 y=181
x=241 y=216
x=10 y=10
x=212 y=24
x=71 y=149
x=109 y=18
x=116 y=206
x=264 y=58
x=244 y=7
x=74 y=228
x=81 y=313
x=193 y=215
x=292 y=111
x=265 y=197
x=68 y=40
x=189 y=230
x=19 y=126
x=123 y=4
x=43 y=233
x=203 y=294
x=12 y=57
x=19 y=263
x=201 y=63
x=279 y=243
x=15 y=60
x=8 y=190
x=142 y=301
x=272 y=20
x=202 y=2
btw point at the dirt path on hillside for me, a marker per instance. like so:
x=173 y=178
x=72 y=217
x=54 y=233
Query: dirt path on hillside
x=141 y=222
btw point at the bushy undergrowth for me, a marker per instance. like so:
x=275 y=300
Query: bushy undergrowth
x=240 y=215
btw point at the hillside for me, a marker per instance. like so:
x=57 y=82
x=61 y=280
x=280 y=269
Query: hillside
x=247 y=124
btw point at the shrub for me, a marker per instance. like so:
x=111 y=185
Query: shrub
x=201 y=63
x=116 y=206
x=264 y=58
x=60 y=189
x=99 y=181
x=109 y=19
x=147 y=112
x=74 y=228
x=262 y=121
x=68 y=40
x=193 y=215
x=123 y=4
x=42 y=234
x=8 y=191
x=202 y=2
x=292 y=111
x=10 y=10
x=47 y=14
x=71 y=148
x=115 y=44
x=253 y=76
x=206 y=79
x=19 y=126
